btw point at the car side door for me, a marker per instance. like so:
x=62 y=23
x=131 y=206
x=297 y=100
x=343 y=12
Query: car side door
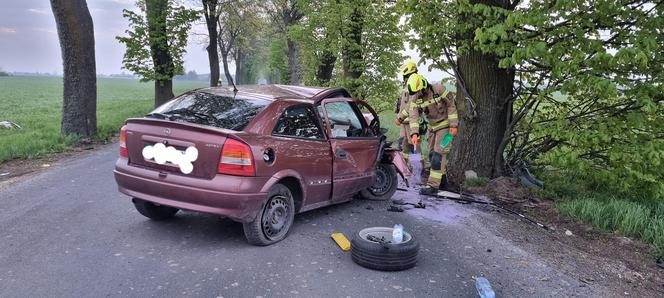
x=354 y=147
x=300 y=145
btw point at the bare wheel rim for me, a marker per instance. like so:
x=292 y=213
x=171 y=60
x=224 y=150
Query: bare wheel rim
x=382 y=182
x=275 y=217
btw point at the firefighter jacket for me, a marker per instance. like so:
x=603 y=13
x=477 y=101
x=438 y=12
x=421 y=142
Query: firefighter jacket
x=403 y=107
x=438 y=106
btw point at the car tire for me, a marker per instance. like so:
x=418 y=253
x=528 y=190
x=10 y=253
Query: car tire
x=274 y=218
x=385 y=184
x=387 y=256
x=154 y=211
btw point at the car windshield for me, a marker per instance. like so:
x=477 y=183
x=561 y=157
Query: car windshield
x=211 y=109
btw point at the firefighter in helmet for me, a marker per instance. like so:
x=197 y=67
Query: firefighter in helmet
x=407 y=70
x=436 y=103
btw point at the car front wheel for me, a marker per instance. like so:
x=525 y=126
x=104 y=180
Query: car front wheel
x=273 y=220
x=384 y=185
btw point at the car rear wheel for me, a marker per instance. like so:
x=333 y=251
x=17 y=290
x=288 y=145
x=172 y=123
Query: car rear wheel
x=274 y=219
x=154 y=211
x=384 y=185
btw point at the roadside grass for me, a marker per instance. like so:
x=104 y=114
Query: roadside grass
x=627 y=214
x=35 y=103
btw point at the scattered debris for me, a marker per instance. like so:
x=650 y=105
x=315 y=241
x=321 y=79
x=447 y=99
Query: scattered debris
x=9 y=125
x=488 y=250
x=4 y=174
x=393 y=208
x=369 y=207
x=45 y=165
x=470 y=174
x=568 y=233
x=419 y=204
x=341 y=241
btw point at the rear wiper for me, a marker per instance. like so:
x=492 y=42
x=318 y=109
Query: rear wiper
x=159 y=116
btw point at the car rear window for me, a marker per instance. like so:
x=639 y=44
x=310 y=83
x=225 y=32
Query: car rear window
x=212 y=109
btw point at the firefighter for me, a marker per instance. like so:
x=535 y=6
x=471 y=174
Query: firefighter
x=407 y=69
x=436 y=103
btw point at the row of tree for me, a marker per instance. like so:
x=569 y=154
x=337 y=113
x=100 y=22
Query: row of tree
x=355 y=44
x=577 y=85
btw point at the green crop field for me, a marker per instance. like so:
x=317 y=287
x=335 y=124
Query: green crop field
x=35 y=104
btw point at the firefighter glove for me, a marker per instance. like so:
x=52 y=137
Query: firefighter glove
x=414 y=139
x=453 y=131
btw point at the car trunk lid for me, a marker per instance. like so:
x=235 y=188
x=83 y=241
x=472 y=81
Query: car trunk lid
x=181 y=137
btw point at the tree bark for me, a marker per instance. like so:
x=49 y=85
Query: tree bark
x=211 y=16
x=294 y=73
x=157 y=11
x=479 y=137
x=77 y=44
x=241 y=70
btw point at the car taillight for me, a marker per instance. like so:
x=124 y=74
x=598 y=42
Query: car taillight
x=123 y=142
x=236 y=159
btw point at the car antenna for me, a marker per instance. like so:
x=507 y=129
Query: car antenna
x=234 y=88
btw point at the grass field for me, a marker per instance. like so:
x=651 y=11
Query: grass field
x=35 y=104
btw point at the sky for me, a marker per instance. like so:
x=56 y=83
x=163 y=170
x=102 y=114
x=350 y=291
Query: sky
x=29 y=40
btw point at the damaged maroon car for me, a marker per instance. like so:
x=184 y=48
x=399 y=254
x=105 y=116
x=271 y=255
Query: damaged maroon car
x=258 y=156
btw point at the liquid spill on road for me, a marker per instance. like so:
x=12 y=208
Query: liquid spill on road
x=415 y=161
x=440 y=210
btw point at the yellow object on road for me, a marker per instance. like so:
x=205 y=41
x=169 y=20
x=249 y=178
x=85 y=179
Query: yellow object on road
x=341 y=240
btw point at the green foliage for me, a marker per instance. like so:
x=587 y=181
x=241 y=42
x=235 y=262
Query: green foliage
x=627 y=218
x=325 y=31
x=588 y=86
x=138 y=57
x=582 y=196
x=34 y=104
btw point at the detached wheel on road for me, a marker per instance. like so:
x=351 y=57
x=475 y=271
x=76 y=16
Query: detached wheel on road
x=384 y=185
x=273 y=220
x=369 y=253
x=154 y=211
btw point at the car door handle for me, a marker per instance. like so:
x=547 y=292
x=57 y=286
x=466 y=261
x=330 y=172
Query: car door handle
x=342 y=154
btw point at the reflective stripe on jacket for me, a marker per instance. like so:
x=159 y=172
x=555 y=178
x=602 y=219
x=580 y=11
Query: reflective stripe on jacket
x=440 y=110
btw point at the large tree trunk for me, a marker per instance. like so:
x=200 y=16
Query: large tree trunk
x=157 y=11
x=211 y=16
x=480 y=136
x=77 y=44
x=294 y=73
x=163 y=89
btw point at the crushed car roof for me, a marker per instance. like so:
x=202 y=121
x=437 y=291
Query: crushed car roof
x=272 y=92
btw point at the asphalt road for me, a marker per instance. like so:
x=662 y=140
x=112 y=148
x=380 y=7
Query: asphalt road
x=67 y=232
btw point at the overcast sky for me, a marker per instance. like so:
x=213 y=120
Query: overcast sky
x=29 y=41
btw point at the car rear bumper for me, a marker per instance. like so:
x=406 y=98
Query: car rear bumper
x=225 y=195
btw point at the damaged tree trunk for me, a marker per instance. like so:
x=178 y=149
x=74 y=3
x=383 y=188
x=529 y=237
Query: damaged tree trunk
x=481 y=129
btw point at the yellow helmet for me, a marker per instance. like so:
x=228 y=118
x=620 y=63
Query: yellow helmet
x=416 y=83
x=408 y=67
